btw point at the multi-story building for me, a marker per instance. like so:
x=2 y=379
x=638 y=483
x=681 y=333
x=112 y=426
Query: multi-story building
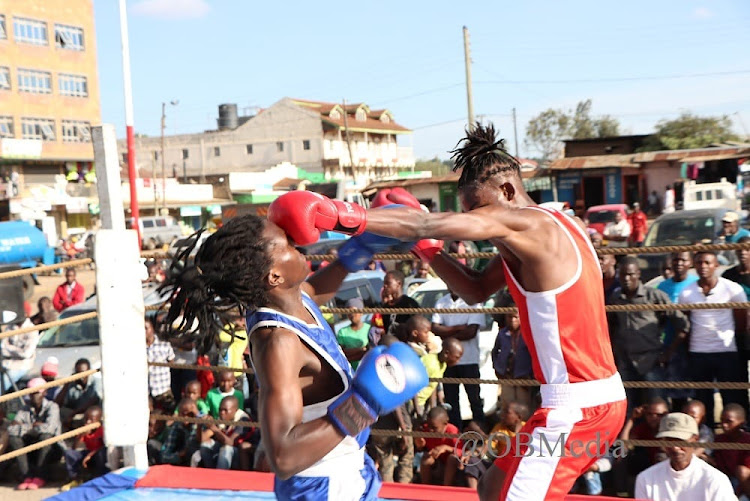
x=49 y=95
x=312 y=135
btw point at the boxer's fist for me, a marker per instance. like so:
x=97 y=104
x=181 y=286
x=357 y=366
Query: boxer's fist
x=303 y=214
x=386 y=378
x=388 y=196
x=427 y=249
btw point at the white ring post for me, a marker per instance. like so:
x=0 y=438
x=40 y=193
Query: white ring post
x=121 y=312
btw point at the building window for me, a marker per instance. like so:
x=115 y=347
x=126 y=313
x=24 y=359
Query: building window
x=306 y=144
x=38 y=128
x=249 y=149
x=3 y=33
x=30 y=31
x=361 y=115
x=280 y=146
x=217 y=151
x=185 y=154
x=156 y=155
x=335 y=115
x=4 y=78
x=6 y=127
x=125 y=158
x=74 y=131
x=385 y=118
x=36 y=82
x=73 y=85
x=68 y=37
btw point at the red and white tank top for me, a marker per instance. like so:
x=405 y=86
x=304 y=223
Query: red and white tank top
x=565 y=328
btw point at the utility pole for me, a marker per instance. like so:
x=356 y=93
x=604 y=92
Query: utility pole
x=467 y=62
x=163 y=173
x=515 y=131
x=349 y=141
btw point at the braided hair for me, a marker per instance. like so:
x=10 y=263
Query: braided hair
x=480 y=155
x=226 y=277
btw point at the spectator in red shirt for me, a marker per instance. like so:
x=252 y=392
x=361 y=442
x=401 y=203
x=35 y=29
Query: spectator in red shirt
x=639 y=224
x=92 y=458
x=735 y=464
x=437 y=450
x=69 y=292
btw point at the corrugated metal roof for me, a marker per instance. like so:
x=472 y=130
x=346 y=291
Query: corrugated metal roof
x=688 y=155
x=594 y=162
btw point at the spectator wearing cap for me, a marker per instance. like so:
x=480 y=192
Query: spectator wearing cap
x=682 y=477
x=730 y=228
x=353 y=338
x=49 y=373
x=38 y=420
x=639 y=224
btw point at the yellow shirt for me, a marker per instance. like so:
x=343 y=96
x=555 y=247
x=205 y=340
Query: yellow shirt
x=236 y=348
x=435 y=368
x=497 y=431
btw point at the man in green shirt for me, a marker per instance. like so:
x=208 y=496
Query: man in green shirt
x=353 y=338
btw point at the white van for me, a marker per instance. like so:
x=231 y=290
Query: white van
x=156 y=230
x=710 y=196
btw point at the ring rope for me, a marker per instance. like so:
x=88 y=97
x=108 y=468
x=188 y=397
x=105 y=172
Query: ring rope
x=432 y=434
x=47 y=325
x=45 y=386
x=49 y=267
x=52 y=440
x=194 y=367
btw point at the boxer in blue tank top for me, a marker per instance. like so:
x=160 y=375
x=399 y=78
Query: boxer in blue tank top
x=314 y=413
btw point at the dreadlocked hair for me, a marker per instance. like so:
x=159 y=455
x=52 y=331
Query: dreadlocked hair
x=480 y=155
x=223 y=281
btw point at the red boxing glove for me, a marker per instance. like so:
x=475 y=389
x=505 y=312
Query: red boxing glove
x=303 y=214
x=388 y=196
x=427 y=249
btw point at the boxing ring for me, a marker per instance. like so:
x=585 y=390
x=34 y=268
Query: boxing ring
x=124 y=371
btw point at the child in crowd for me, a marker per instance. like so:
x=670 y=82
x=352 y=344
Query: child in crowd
x=354 y=338
x=225 y=388
x=733 y=463
x=434 y=467
x=513 y=416
x=420 y=337
x=181 y=439
x=92 y=458
x=435 y=364
x=156 y=435
x=221 y=444
x=193 y=392
x=697 y=411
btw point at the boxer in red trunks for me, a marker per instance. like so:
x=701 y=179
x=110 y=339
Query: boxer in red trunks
x=552 y=272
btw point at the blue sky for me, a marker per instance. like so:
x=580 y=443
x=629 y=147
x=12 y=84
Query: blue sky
x=408 y=57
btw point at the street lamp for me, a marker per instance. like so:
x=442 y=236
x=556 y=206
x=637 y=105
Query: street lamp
x=163 y=170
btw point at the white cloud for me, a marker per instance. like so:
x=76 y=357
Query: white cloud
x=702 y=13
x=171 y=9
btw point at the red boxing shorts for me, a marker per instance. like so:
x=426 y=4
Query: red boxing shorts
x=562 y=439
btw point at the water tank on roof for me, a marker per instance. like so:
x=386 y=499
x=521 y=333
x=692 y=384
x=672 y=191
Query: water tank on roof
x=227 y=117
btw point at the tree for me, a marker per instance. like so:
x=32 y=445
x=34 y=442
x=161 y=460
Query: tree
x=436 y=166
x=690 y=131
x=546 y=131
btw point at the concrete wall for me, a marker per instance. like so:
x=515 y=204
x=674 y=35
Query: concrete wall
x=658 y=175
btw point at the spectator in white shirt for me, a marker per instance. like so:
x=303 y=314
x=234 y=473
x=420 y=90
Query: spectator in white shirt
x=682 y=477
x=464 y=327
x=713 y=351
x=618 y=232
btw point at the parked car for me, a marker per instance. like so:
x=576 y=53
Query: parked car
x=684 y=227
x=156 y=230
x=427 y=295
x=365 y=285
x=80 y=339
x=597 y=216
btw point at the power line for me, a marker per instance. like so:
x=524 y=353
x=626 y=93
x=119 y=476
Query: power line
x=616 y=79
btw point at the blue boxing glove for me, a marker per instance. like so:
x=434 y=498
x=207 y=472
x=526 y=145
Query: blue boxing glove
x=385 y=379
x=358 y=251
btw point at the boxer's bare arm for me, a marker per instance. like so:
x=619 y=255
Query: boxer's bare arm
x=472 y=286
x=324 y=283
x=291 y=446
x=491 y=484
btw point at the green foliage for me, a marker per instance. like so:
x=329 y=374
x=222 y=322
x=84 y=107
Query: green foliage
x=546 y=131
x=690 y=131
